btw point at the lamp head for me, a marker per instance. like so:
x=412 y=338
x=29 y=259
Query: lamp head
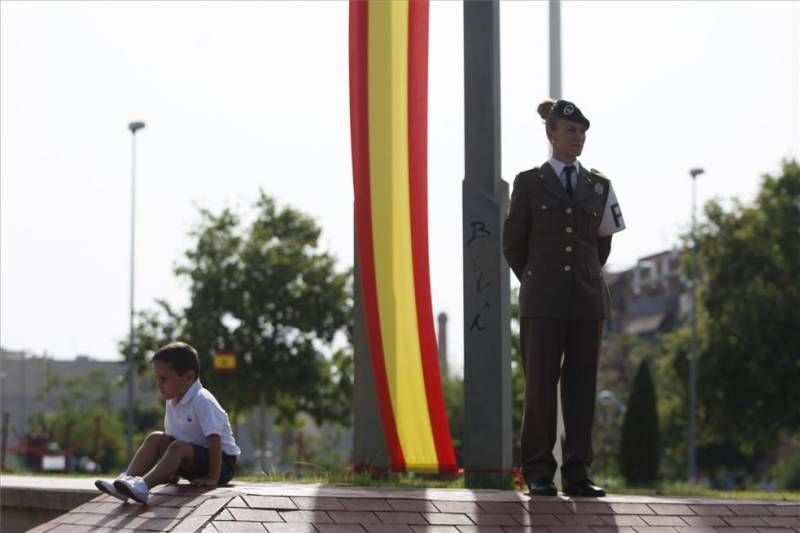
x=696 y=172
x=133 y=126
x=606 y=396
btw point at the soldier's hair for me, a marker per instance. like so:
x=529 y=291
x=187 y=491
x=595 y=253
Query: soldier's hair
x=180 y=356
x=544 y=109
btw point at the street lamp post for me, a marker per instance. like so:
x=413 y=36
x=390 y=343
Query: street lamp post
x=693 y=342
x=134 y=127
x=610 y=409
x=4 y=417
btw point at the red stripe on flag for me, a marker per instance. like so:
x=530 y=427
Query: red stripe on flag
x=359 y=130
x=418 y=190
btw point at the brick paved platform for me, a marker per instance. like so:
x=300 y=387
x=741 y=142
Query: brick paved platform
x=284 y=508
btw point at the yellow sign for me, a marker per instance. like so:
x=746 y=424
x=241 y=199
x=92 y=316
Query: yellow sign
x=224 y=362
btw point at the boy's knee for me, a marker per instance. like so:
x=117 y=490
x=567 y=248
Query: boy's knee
x=155 y=436
x=180 y=447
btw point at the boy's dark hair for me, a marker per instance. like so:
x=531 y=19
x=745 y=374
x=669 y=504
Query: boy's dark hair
x=181 y=356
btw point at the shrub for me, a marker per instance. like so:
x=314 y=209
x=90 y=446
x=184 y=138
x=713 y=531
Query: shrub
x=639 y=451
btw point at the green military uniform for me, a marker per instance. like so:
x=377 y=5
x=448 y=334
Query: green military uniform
x=556 y=247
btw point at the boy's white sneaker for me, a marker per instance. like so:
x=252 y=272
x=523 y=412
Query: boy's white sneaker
x=133 y=487
x=104 y=486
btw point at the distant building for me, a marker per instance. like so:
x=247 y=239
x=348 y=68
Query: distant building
x=22 y=387
x=650 y=298
x=23 y=376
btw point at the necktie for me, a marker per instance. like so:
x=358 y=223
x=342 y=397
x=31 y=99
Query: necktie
x=569 y=169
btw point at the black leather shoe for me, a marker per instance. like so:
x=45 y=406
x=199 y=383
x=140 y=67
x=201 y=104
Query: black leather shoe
x=542 y=487
x=584 y=488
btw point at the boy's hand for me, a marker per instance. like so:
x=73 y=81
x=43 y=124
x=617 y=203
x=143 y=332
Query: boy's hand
x=204 y=482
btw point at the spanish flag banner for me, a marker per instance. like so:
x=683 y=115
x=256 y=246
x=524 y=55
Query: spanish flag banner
x=388 y=122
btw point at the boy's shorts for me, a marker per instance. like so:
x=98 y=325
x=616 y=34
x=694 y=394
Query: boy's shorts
x=200 y=465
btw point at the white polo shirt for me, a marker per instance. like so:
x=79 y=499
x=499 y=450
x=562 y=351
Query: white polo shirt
x=197 y=416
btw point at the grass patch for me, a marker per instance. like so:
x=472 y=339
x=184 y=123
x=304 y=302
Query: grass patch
x=421 y=481
x=428 y=481
x=396 y=480
x=688 y=490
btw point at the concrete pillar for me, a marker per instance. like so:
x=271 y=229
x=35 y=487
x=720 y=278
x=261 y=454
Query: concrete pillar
x=487 y=329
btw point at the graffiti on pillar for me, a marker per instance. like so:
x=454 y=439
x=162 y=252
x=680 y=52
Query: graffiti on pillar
x=480 y=285
x=478 y=230
x=476 y=321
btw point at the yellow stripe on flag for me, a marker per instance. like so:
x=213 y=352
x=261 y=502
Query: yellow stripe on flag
x=388 y=131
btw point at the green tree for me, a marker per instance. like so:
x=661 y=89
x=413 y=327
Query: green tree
x=453 y=392
x=81 y=423
x=671 y=368
x=265 y=291
x=750 y=366
x=748 y=349
x=639 y=451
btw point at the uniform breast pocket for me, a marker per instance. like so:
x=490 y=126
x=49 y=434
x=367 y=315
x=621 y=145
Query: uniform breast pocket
x=589 y=220
x=544 y=216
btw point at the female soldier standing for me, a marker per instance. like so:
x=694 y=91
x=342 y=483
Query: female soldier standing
x=556 y=239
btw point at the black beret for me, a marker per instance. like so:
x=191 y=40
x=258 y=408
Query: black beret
x=569 y=111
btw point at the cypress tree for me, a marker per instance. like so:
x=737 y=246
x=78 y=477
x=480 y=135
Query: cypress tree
x=639 y=450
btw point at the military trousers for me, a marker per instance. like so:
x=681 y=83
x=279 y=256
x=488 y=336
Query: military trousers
x=542 y=343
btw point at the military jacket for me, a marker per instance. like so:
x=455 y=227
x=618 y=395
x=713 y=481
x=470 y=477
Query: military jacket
x=550 y=242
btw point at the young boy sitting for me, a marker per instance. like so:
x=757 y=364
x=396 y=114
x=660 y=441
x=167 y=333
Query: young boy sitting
x=197 y=442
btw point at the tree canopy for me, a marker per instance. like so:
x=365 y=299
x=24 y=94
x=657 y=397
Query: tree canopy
x=749 y=369
x=265 y=291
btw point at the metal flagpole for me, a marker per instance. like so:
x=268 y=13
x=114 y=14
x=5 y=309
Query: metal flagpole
x=555 y=94
x=555 y=49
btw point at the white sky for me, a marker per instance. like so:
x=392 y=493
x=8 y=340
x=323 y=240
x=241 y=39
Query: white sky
x=238 y=96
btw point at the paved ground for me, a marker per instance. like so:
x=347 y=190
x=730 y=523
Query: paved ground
x=274 y=508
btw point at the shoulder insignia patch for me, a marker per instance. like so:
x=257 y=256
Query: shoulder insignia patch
x=535 y=172
x=597 y=173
